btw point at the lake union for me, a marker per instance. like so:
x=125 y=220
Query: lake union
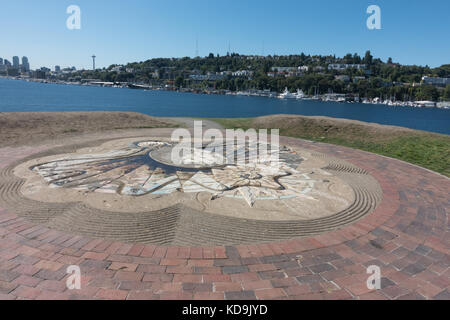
x=22 y=96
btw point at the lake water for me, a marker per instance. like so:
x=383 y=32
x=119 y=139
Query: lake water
x=22 y=96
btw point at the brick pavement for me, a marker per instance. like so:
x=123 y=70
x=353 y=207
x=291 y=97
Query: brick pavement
x=407 y=236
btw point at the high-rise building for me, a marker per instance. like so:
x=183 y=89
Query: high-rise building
x=25 y=64
x=6 y=62
x=57 y=69
x=1 y=61
x=16 y=62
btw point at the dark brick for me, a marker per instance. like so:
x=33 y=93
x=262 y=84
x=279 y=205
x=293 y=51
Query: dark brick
x=414 y=268
x=386 y=283
x=444 y=295
x=232 y=252
x=51 y=275
x=422 y=249
x=227 y=262
x=234 y=269
x=198 y=287
x=322 y=268
x=90 y=264
x=273 y=259
x=8 y=276
x=309 y=278
x=240 y=295
x=266 y=275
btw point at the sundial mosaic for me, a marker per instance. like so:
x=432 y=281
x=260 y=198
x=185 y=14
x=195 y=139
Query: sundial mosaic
x=145 y=168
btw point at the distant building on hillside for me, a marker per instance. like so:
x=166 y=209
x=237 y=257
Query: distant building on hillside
x=207 y=77
x=303 y=68
x=440 y=82
x=344 y=66
x=284 y=69
x=344 y=78
x=357 y=79
x=242 y=73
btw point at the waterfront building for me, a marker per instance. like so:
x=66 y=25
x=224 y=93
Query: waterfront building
x=13 y=72
x=16 y=62
x=440 y=82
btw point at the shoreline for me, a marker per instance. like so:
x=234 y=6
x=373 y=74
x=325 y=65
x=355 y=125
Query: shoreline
x=339 y=98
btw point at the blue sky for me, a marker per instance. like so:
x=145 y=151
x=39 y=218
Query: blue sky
x=413 y=32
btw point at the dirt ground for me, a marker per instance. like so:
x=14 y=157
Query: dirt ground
x=32 y=128
x=316 y=126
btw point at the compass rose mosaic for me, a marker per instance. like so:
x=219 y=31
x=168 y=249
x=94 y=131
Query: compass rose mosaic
x=145 y=168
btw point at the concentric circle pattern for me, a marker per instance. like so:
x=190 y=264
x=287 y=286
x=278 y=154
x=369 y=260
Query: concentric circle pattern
x=197 y=206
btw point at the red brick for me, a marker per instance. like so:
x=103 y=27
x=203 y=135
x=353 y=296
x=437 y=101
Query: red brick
x=112 y=294
x=200 y=263
x=188 y=278
x=26 y=292
x=209 y=296
x=52 y=285
x=142 y=295
x=148 y=251
x=27 y=281
x=270 y=293
x=136 y=250
x=196 y=253
x=49 y=265
x=226 y=286
x=95 y=255
x=255 y=285
x=131 y=276
x=123 y=266
x=179 y=269
x=173 y=262
x=216 y=278
x=262 y=267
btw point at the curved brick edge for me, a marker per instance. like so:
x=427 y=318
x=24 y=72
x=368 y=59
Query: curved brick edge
x=407 y=237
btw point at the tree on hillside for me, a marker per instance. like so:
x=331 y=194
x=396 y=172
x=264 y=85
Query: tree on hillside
x=447 y=93
x=368 y=59
x=179 y=81
x=427 y=93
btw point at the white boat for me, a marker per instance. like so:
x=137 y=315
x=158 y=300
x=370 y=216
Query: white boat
x=287 y=95
x=300 y=94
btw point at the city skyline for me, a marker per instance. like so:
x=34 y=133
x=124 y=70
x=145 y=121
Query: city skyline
x=119 y=34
